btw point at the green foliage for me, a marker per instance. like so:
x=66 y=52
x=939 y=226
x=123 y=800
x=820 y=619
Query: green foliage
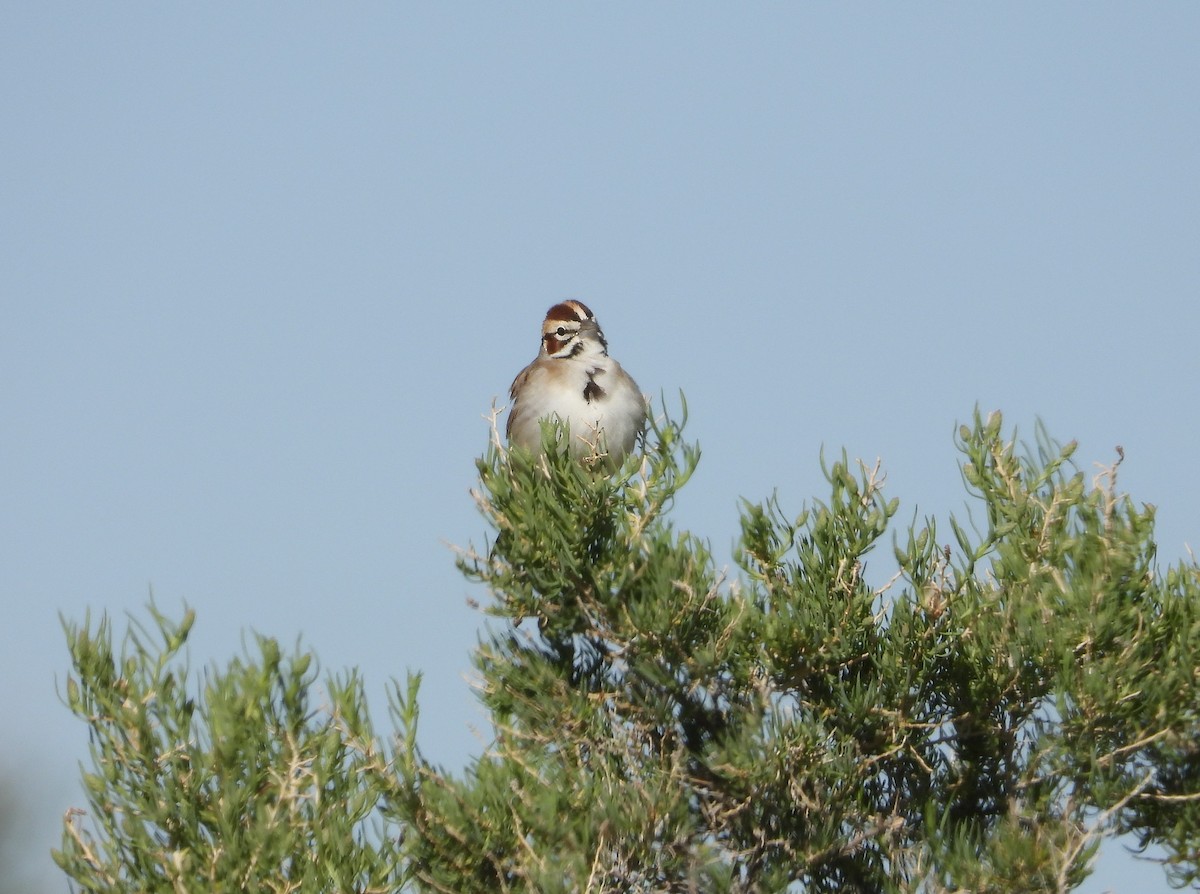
x=979 y=722
x=242 y=787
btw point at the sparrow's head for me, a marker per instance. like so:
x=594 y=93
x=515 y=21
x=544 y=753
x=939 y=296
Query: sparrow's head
x=570 y=330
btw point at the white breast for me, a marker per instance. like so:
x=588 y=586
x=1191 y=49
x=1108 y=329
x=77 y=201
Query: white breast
x=559 y=389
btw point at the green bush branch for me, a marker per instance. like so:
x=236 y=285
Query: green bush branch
x=978 y=722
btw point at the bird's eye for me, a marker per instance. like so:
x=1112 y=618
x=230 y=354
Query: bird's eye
x=561 y=331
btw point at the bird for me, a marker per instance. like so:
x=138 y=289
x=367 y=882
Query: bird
x=573 y=380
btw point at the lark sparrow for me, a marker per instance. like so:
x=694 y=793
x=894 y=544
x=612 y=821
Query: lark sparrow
x=574 y=380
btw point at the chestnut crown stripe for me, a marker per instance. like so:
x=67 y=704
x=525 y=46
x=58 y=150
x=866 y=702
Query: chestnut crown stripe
x=569 y=311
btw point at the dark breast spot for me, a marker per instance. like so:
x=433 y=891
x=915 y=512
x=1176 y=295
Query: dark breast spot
x=592 y=390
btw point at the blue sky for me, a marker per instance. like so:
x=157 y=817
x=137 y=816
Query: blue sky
x=264 y=269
